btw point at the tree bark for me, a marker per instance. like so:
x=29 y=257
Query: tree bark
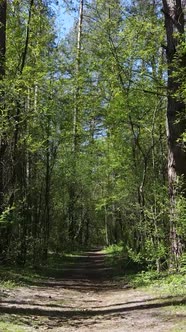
x=176 y=124
x=24 y=54
x=3 y=7
x=3 y=139
x=76 y=123
x=47 y=194
x=78 y=63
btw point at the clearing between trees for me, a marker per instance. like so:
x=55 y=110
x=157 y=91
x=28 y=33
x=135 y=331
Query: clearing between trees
x=84 y=295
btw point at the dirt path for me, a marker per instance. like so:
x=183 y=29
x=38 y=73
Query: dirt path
x=84 y=298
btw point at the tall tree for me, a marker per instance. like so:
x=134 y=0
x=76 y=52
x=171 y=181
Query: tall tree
x=3 y=119
x=176 y=123
x=3 y=8
x=76 y=128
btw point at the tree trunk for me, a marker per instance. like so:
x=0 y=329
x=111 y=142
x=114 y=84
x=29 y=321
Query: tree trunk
x=176 y=124
x=47 y=194
x=3 y=5
x=76 y=124
x=3 y=138
x=77 y=88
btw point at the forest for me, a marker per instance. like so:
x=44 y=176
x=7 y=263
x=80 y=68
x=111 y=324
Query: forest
x=93 y=130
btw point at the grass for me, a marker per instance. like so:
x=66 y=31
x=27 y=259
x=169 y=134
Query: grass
x=178 y=329
x=114 y=249
x=11 y=277
x=163 y=283
x=10 y=327
x=20 y=323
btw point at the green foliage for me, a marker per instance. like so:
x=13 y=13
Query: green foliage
x=12 y=277
x=165 y=284
x=181 y=216
x=8 y=284
x=98 y=177
x=6 y=216
x=183 y=263
x=114 y=249
x=134 y=256
x=145 y=278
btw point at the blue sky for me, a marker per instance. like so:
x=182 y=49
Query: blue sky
x=64 y=18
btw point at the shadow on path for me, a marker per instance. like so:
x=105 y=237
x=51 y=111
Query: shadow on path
x=82 y=314
x=87 y=272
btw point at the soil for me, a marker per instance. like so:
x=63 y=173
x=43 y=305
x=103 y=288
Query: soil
x=84 y=296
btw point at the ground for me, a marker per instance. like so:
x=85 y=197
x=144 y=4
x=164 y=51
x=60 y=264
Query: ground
x=83 y=297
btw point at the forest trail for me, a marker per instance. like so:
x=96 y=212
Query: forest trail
x=84 y=297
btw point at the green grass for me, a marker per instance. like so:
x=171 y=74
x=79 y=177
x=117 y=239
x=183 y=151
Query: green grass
x=178 y=329
x=131 y=272
x=13 y=277
x=10 y=327
x=164 y=283
x=114 y=249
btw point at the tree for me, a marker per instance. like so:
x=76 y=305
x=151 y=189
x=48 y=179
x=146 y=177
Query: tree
x=3 y=8
x=28 y=68
x=3 y=133
x=176 y=124
x=3 y=5
x=76 y=129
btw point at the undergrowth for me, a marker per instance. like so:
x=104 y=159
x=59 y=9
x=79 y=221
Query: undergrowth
x=164 y=283
x=13 y=276
x=139 y=276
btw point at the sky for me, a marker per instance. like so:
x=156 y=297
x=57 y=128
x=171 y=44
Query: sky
x=64 y=18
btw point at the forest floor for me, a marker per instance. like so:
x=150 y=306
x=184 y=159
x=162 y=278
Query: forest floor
x=85 y=296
